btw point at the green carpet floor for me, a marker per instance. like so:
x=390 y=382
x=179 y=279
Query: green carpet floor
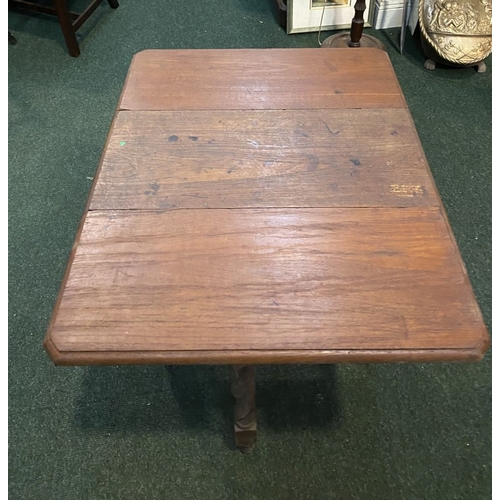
x=402 y=432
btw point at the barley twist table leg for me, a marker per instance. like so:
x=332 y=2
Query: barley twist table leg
x=245 y=415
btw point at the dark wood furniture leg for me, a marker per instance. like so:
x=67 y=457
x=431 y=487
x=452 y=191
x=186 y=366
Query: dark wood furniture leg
x=67 y=27
x=70 y=21
x=355 y=37
x=357 y=24
x=245 y=414
x=280 y=6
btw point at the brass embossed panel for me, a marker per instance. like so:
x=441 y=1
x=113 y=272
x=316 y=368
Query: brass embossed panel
x=460 y=31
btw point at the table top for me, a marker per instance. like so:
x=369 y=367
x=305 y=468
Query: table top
x=264 y=206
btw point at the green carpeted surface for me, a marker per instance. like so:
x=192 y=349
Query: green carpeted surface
x=402 y=432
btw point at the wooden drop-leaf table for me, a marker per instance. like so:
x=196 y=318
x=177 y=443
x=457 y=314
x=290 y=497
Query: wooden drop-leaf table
x=264 y=206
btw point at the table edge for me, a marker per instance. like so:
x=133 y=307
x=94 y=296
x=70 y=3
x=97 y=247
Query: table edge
x=86 y=358
x=147 y=52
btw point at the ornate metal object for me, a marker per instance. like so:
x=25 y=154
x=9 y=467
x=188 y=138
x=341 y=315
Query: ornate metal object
x=456 y=31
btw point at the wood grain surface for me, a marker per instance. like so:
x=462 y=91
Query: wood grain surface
x=238 y=159
x=309 y=356
x=264 y=206
x=269 y=279
x=260 y=79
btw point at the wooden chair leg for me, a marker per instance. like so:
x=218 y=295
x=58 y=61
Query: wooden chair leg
x=67 y=27
x=113 y=4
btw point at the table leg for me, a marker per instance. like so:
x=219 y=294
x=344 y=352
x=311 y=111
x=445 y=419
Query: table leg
x=245 y=414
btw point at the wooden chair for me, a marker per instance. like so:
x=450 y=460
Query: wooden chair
x=70 y=21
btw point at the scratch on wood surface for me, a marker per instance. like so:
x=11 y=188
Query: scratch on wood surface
x=329 y=129
x=408 y=190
